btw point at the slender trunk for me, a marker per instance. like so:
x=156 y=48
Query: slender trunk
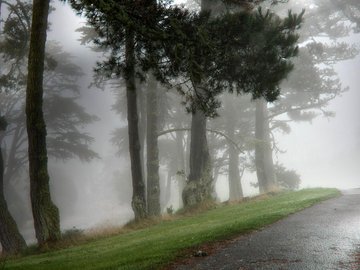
x=200 y=183
x=181 y=150
x=11 y=159
x=138 y=199
x=46 y=214
x=141 y=101
x=167 y=189
x=263 y=152
x=235 y=188
x=152 y=150
x=10 y=238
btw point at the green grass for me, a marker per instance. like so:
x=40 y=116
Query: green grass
x=159 y=244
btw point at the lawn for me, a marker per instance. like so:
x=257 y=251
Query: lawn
x=159 y=244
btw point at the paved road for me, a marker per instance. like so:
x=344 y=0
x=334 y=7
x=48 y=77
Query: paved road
x=323 y=237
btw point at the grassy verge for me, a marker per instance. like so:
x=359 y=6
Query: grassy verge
x=157 y=245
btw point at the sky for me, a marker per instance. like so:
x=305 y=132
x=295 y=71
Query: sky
x=325 y=152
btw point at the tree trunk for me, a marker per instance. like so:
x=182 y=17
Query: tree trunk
x=141 y=102
x=10 y=238
x=263 y=151
x=46 y=214
x=167 y=189
x=181 y=167
x=235 y=188
x=199 y=186
x=152 y=150
x=138 y=199
x=200 y=183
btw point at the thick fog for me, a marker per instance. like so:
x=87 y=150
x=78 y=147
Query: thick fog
x=324 y=152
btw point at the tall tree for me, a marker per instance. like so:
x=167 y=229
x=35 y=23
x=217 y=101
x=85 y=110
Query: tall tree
x=10 y=237
x=198 y=56
x=199 y=186
x=138 y=201
x=45 y=213
x=152 y=149
x=256 y=77
x=124 y=20
x=263 y=149
x=63 y=115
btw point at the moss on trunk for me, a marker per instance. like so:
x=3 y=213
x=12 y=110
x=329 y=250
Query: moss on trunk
x=199 y=186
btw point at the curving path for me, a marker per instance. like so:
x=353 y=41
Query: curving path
x=325 y=237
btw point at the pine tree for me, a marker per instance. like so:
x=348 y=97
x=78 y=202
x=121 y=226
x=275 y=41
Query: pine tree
x=45 y=213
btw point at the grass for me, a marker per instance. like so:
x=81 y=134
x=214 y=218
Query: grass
x=155 y=246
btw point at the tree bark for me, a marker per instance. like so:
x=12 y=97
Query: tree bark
x=142 y=124
x=199 y=186
x=181 y=167
x=200 y=183
x=152 y=150
x=235 y=188
x=263 y=151
x=46 y=214
x=10 y=238
x=138 y=199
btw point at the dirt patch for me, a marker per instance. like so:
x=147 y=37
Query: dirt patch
x=192 y=255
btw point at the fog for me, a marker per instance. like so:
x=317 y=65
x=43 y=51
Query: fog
x=97 y=194
x=332 y=144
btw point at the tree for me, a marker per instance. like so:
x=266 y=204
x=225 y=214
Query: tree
x=287 y=179
x=198 y=57
x=236 y=121
x=263 y=151
x=64 y=118
x=152 y=152
x=10 y=237
x=259 y=78
x=350 y=10
x=63 y=115
x=124 y=34
x=45 y=213
x=309 y=89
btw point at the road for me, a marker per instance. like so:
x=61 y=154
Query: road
x=325 y=236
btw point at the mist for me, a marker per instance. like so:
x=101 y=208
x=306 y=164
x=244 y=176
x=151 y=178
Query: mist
x=324 y=151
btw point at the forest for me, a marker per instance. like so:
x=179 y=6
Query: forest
x=166 y=105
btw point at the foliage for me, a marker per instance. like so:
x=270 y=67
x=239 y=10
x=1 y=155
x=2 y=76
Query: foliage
x=136 y=249
x=287 y=179
x=314 y=83
x=64 y=116
x=72 y=234
x=3 y=123
x=186 y=48
x=14 y=46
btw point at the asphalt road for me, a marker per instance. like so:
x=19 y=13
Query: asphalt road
x=325 y=236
